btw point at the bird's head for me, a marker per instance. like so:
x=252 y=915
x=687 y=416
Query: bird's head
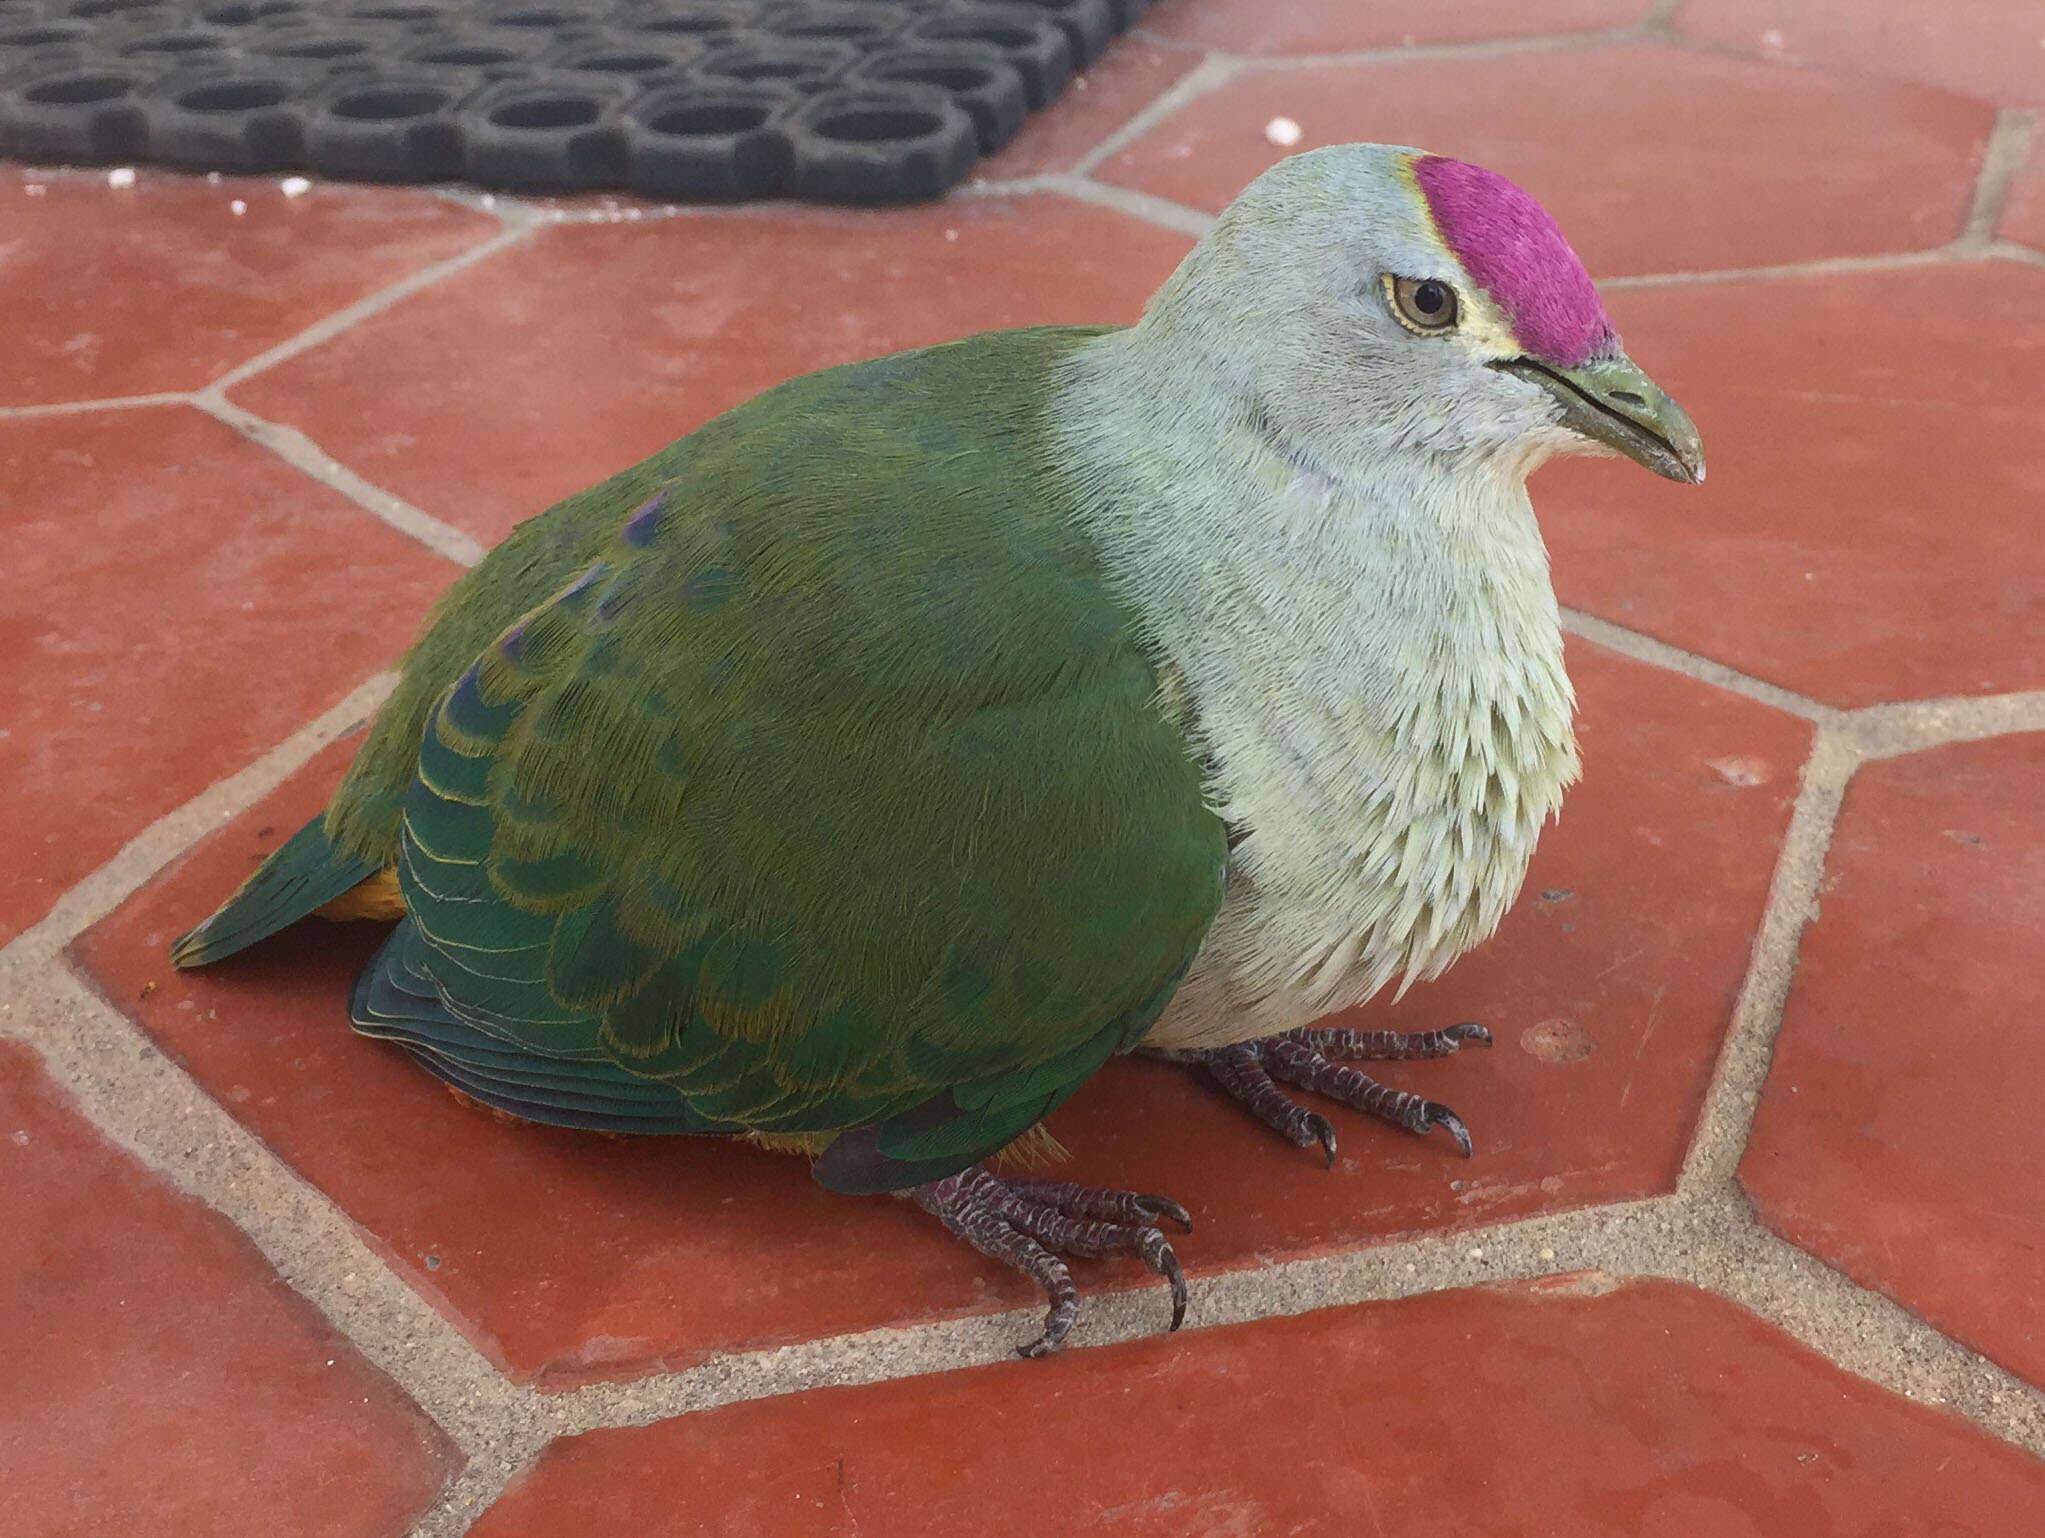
x=1368 y=299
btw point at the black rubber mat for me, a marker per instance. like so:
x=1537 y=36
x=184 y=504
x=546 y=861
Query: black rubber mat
x=836 y=101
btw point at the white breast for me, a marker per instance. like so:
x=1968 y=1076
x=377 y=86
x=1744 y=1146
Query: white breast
x=1382 y=700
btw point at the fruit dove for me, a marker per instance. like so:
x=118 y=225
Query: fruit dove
x=865 y=769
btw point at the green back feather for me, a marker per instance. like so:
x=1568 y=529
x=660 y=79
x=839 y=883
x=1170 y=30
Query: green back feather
x=809 y=768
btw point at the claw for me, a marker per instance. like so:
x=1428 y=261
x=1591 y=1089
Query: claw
x=1155 y=1207
x=1323 y=1129
x=1439 y=1115
x=1159 y=1257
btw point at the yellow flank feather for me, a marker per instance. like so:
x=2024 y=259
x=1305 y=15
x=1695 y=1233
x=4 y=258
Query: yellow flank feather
x=376 y=898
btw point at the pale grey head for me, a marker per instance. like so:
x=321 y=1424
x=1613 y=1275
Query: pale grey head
x=1372 y=301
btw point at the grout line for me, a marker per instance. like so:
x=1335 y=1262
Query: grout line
x=149 y=851
x=1713 y=1243
x=144 y=1103
x=299 y=451
x=1816 y=267
x=133 y=1094
x=2002 y=158
x=107 y=403
x=330 y=326
x=1866 y=1333
x=1210 y=74
x=1487 y=48
x=1643 y=647
x=1911 y=726
x=1137 y=205
x=1734 y=1096
x=470 y=1493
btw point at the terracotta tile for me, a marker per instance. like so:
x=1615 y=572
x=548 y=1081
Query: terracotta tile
x=2023 y=217
x=177 y=601
x=1121 y=83
x=1652 y=159
x=1899 y=1138
x=1868 y=531
x=1335 y=26
x=1987 y=48
x=159 y=1377
x=589 y=347
x=1520 y=1413
x=161 y=286
x=569 y=1257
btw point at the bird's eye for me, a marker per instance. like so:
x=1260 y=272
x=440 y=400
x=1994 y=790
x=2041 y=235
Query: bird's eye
x=1425 y=305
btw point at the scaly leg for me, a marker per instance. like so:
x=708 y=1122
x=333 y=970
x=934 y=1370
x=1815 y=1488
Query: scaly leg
x=1319 y=1060
x=1029 y=1223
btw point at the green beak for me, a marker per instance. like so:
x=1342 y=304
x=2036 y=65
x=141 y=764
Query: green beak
x=1610 y=401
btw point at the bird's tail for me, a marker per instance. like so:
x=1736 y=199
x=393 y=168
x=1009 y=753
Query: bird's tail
x=303 y=874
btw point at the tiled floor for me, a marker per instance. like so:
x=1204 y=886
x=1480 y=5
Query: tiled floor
x=265 y=1276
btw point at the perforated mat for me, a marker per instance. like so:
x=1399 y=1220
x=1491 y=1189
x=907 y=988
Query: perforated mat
x=839 y=101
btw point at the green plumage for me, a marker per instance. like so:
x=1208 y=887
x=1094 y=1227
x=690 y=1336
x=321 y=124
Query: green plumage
x=806 y=777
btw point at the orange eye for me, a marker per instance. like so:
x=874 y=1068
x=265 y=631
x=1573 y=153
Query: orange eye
x=1425 y=305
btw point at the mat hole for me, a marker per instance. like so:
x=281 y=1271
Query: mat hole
x=383 y=106
x=871 y=125
x=545 y=112
x=234 y=96
x=623 y=63
x=953 y=77
x=710 y=120
x=325 y=48
x=77 y=90
x=467 y=54
x=176 y=42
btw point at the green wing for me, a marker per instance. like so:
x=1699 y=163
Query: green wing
x=832 y=795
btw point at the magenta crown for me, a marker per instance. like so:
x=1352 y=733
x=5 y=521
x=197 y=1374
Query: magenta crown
x=1509 y=245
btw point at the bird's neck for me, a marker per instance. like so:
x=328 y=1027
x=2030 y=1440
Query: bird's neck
x=1400 y=579
x=1370 y=659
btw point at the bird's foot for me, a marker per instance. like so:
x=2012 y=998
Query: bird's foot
x=1319 y=1061
x=1029 y=1223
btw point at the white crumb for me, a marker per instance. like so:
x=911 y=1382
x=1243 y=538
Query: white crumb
x=34 y=189
x=121 y=176
x=237 y=208
x=213 y=178
x=1282 y=131
x=294 y=186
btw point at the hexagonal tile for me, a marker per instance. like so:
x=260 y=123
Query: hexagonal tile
x=589 y=347
x=1336 y=26
x=1652 y=159
x=1988 y=48
x=158 y=1376
x=177 y=602
x=1899 y=1137
x=1515 y=1412
x=569 y=1256
x=1869 y=529
x=162 y=286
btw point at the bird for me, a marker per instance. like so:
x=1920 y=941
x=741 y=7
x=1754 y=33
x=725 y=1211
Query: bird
x=861 y=772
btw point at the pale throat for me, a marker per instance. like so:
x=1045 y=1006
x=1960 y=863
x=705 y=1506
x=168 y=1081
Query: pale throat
x=1371 y=663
